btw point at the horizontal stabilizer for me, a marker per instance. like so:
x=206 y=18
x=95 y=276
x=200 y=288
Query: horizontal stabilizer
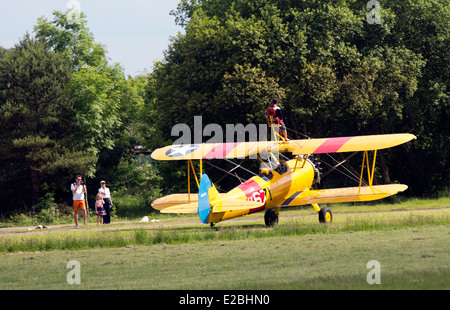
x=231 y=204
x=173 y=200
x=349 y=194
x=191 y=208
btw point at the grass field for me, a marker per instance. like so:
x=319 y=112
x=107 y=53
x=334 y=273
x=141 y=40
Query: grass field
x=412 y=247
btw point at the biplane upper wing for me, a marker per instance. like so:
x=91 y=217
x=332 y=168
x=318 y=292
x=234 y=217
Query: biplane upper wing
x=212 y=150
x=349 y=194
x=297 y=147
x=349 y=144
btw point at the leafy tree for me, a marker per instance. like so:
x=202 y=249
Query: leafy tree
x=337 y=74
x=112 y=114
x=423 y=27
x=248 y=87
x=71 y=38
x=36 y=136
x=65 y=110
x=96 y=88
x=97 y=93
x=135 y=133
x=209 y=62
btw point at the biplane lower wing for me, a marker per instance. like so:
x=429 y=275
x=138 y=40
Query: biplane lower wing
x=296 y=147
x=349 y=194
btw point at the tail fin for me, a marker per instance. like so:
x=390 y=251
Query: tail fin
x=205 y=191
x=213 y=194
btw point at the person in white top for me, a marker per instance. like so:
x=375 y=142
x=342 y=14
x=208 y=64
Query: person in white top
x=78 y=190
x=106 y=195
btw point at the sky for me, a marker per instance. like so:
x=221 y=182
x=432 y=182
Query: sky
x=135 y=32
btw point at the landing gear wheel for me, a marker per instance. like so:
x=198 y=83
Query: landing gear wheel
x=270 y=218
x=325 y=216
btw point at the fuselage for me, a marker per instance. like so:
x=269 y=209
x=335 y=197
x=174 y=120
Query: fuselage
x=271 y=188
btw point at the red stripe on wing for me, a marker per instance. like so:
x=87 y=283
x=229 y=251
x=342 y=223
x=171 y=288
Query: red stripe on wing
x=331 y=145
x=221 y=150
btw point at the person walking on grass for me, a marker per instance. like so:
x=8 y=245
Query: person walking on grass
x=78 y=191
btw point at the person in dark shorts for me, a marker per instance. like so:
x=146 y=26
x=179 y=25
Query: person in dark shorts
x=106 y=195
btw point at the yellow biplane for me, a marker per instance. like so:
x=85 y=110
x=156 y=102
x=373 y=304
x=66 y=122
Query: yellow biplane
x=286 y=184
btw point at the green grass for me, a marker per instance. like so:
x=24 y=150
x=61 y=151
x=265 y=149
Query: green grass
x=410 y=258
x=89 y=239
x=389 y=204
x=412 y=248
x=129 y=208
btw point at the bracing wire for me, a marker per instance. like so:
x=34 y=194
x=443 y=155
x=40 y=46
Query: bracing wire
x=350 y=174
x=239 y=166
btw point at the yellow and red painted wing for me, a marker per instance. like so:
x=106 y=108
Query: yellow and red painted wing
x=349 y=194
x=348 y=144
x=297 y=147
x=212 y=150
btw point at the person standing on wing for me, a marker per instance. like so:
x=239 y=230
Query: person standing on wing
x=276 y=117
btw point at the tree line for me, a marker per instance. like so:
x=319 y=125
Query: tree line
x=64 y=109
x=334 y=73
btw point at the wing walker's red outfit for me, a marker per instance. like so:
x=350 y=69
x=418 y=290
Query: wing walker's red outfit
x=277 y=116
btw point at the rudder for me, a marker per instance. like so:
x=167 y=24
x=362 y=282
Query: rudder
x=204 y=206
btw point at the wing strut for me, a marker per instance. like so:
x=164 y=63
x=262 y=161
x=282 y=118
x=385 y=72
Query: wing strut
x=370 y=172
x=193 y=170
x=190 y=166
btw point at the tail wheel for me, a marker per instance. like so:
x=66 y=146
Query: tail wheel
x=325 y=215
x=270 y=218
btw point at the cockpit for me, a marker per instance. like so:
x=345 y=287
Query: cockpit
x=267 y=173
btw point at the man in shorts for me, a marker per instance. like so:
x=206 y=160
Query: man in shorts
x=78 y=190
